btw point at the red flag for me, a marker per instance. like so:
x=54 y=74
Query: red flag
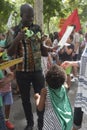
x=72 y=19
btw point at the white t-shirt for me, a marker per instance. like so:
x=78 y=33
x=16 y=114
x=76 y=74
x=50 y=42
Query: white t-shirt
x=55 y=43
x=76 y=39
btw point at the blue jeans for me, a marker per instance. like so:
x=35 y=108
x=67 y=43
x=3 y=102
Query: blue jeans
x=2 y=122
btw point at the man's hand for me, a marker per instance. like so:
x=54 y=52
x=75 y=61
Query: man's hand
x=20 y=36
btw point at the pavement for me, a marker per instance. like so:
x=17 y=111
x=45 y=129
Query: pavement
x=17 y=116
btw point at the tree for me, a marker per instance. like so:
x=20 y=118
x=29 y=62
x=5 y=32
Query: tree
x=5 y=8
x=46 y=11
x=52 y=8
x=38 y=9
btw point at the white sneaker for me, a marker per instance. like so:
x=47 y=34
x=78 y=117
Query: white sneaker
x=73 y=79
x=76 y=78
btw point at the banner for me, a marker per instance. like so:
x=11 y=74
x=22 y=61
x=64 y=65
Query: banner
x=65 y=36
x=72 y=19
x=61 y=23
x=10 y=63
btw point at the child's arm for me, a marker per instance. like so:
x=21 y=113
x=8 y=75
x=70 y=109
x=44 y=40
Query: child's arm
x=40 y=99
x=7 y=79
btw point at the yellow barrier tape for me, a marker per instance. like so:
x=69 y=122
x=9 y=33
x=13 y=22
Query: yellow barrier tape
x=1 y=54
x=10 y=63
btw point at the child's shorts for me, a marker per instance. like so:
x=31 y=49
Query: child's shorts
x=68 y=70
x=7 y=98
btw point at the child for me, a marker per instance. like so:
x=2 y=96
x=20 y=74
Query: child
x=5 y=91
x=58 y=112
x=6 y=94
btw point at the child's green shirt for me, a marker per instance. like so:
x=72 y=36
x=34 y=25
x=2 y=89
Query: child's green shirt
x=0 y=101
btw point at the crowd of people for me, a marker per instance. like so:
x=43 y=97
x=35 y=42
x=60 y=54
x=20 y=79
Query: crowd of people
x=47 y=67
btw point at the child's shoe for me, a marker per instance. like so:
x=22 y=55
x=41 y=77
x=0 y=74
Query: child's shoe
x=9 y=125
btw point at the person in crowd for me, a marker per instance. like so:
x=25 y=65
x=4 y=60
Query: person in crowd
x=66 y=53
x=46 y=58
x=81 y=95
x=83 y=43
x=81 y=40
x=56 y=39
x=76 y=43
x=58 y=112
x=2 y=40
x=7 y=98
x=27 y=44
x=55 y=43
x=6 y=76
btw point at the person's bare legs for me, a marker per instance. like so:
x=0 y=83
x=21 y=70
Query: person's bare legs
x=9 y=125
x=7 y=111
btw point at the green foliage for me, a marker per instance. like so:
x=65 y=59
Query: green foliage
x=5 y=9
x=53 y=10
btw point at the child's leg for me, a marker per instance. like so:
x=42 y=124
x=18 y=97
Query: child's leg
x=2 y=121
x=7 y=111
x=8 y=101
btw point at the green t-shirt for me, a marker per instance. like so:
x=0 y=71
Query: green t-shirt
x=2 y=43
x=0 y=101
x=1 y=74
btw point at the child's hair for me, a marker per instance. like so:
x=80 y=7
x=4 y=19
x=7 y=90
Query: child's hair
x=55 y=76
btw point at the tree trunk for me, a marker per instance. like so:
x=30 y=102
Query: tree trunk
x=48 y=29
x=38 y=11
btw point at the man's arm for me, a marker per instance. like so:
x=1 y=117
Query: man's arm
x=67 y=64
x=16 y=41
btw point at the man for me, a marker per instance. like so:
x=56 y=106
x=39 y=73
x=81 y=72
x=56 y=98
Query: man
x=27 y=44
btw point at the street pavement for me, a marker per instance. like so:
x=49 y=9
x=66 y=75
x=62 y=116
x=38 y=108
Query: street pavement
x=17 y=116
